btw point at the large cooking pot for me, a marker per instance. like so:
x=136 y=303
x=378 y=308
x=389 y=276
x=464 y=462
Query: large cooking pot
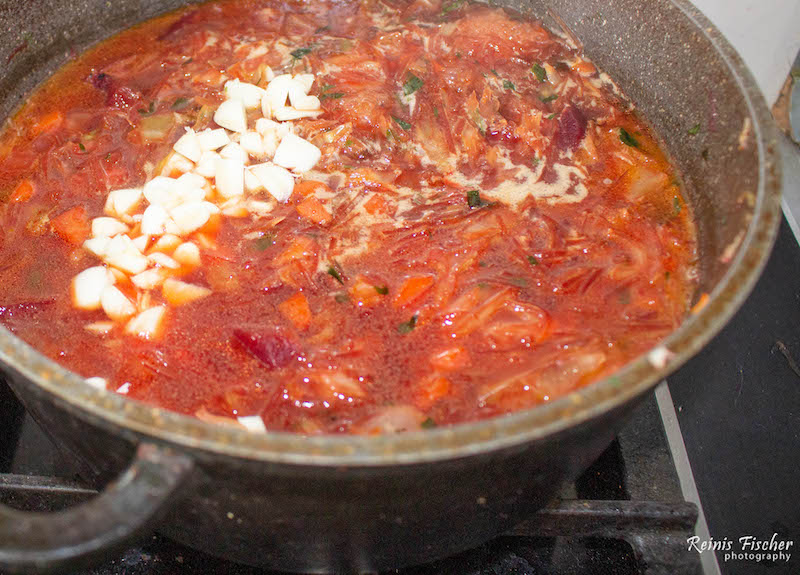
x=366 y=503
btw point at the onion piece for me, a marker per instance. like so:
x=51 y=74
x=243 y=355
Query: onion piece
x=87 y=287
x=297 y=154
x=188 y=145
x=105 y=227
x=275 y=179
x=116 y=305
x=123 y=202
x=178 y=293
x=148 y=324
x=231 y=115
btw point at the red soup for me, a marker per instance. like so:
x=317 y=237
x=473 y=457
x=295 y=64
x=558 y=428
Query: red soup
x=334 y=217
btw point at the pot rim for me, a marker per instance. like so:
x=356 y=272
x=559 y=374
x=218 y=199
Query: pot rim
x=111 y=410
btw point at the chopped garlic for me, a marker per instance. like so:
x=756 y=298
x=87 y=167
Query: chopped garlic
x=116 y=305
x=296 y=153
x=231 y=115
x=141 y=243
x=305 y=81
x=148 y=324
x=230 y=177
x=188 y=145
x=163 y=260
x=167 y=243
x=177 y=292
x=277 y=92
x=233 y=151
x=104 y=227
x=97 y=246
x=88 y=286
x=252 y=143
x=287 y=114
x=187 y=254
x=253 y=423
x=96 y=382
x=149 y=279
x=123 y=255
x=190 y=217
x=100 y=327
x=207 y=166
x=123 y=202
x=275 y=179
x=211 y=140
x=162 y=191
x=300 y=100
x=249 y=94
x=153 y=221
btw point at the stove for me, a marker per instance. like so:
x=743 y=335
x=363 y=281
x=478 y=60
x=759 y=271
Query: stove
x=625 y=515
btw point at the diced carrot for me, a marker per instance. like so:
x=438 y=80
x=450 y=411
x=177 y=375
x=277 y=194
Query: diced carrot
x=701 y=303
x=49 y=122
x=297 y=310
x=450 y=359
x=412 y=289
x=23 y=192
x=365 y=293
x=72 y=226
x=430 y=390
x=302 y=247
x=377 y=204
x=313 y=210
x=309 y=188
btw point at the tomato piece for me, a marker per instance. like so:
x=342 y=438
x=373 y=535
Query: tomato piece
x=297 y=311
x=365 y=293
x=310 y=187
x=72 y=226
x=430 y=390
x=314 y=210
x=412 y=289
x=377 y=204
x=48 y=122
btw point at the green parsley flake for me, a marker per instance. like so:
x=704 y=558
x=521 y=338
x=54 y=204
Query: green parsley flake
x=413 y=84
x=452 y=6
x=334 y=273
x=626 y=138
x=383 y=290
x=408 y=326
x=533 y=261
x=402 y=123
x=539 y=72
x=676 y=205
x=428 y=424
x=300 y=53
x=694 y=130
x=264 y=241
x=549 y=98
x=180 y=104
x=509 y=85
x=474 y=199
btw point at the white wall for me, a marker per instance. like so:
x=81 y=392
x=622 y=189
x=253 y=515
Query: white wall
x=765 y=32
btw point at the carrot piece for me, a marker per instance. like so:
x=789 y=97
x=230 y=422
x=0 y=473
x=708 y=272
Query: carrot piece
x=313 y=210
x=49 y=122
x=297 y=311
x=376 y=204
x=365 y=293
x=72 y=226
x=310 y=187
x=430 y=390
x=301 y=248
x=450 y=359
x=412 y=289
x=701 y=303
x=23 y=192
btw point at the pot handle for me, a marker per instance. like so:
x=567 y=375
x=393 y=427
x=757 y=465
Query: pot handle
x=32 y=542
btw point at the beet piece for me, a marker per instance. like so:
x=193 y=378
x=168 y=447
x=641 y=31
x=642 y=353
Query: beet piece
x=102 y=82
x=571 y=129
x=122 y=98
x=272 y=349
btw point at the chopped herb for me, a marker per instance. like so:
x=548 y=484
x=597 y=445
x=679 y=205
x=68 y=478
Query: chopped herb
x=458 y=55
x=452 y=6
x=627 y=139
x=383 y=290
x=428 y=424
x=435 y=112
x=325 y=87
x=519 y=282
x=300 y=53
x=402 y=123
x=694 y=130
x=535 y=161
x=322 y=29
x=705 y=154
x=549 y=98
x=348 y=142
x=149 y=111
x=108 y=156
x=509 y=85
x=264 y=241
x=482 y=264
x=550 y=117
x=334 y=273
x=479 y=121
x=331 y=96
x=676 y=205
x=539 y=72
x=412 y=84
x=408 y=326
x=389 y=134
x=341 y=297
x=82 y=147
x=533 y=261
x=187 y=61
x=180 y=103
x=474 y=199
x=493 y=71
x=483 y=285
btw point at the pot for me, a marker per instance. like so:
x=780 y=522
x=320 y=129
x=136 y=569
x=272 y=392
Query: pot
x=323 y=504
